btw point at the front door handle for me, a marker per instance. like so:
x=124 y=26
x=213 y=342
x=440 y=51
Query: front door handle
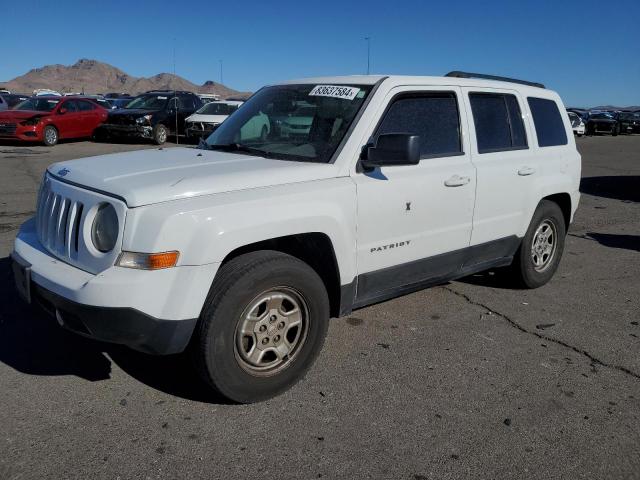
x=457 y=181
x=524 y=171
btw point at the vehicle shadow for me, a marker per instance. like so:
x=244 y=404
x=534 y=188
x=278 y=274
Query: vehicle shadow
x=495 y=278
x=31 y=342
x=625 y=242
x=620 y=187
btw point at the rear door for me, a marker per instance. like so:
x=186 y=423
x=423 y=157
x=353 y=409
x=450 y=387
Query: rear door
x=414 y=221
x=89 y=116
x=506 y=169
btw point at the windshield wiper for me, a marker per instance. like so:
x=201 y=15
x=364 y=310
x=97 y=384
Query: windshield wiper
x=239 y=147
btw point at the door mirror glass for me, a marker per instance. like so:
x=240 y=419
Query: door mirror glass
x=62 y=111
x=393 y=149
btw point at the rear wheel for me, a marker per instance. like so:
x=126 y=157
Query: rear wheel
x=50 y=135
x=539 y=254
x=262 y=326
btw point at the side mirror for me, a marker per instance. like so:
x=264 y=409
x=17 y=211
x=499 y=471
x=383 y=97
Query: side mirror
x=62 y=111
x=393 y=149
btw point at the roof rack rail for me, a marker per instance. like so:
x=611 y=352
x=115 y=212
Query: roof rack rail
x=458 y=74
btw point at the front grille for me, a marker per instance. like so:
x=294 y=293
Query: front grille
x=7 y=128
x=121 y=120
x=58 y=221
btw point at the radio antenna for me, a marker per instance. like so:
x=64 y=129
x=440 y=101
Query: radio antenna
x=175 y=98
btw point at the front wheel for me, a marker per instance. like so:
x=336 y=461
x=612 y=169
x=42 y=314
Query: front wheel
x=262 y=326
x=160 y=134
x=50 y=135
x=539 y=254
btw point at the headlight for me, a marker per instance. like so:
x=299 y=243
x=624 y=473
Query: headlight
x=144 y=119
x=31 y=122
x=104 y=231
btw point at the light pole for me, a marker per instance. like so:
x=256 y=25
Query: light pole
x=368 y=39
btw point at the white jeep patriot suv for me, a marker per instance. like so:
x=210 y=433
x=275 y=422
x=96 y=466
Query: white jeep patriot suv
x=242 y=249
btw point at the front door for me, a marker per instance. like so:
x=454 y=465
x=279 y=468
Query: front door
x=414 y=222
x=69 y=123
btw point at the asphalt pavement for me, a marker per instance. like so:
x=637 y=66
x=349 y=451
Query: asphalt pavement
x=472 y=379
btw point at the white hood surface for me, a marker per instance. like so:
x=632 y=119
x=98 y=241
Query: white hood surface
x=151 y=176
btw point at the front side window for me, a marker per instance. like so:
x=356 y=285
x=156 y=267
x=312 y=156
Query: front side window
x=548 y=122
x=70 y=106
x=498 y=122
x=84 y=106
x=303 y=122
x=432 y=116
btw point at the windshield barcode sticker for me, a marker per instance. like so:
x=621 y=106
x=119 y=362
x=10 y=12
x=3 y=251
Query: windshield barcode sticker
x=346 y=93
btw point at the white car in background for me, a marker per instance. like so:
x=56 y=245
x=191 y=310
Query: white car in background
x=209 y=117
x=577 y=124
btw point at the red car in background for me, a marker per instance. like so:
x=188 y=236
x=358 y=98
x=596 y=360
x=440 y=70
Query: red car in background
x=48 y=119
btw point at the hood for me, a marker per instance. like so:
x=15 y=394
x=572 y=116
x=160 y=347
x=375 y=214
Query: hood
x=133 y=112
x=602 y=120
x=199 y=117
x=18 y=115
x=159 y=175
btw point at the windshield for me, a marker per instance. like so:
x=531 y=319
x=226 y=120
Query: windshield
x=292 y=122
x=601 y=116
x=214 y=108
x=148 y=102
x=38 y=104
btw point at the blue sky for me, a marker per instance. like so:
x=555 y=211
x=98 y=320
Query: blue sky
x=589 y=51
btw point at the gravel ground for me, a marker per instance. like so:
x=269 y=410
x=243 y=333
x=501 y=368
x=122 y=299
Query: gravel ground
x=473 y=379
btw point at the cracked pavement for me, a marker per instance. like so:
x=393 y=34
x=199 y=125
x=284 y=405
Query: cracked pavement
x=473 y=379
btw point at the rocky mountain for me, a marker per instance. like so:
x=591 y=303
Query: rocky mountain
x=92 y=76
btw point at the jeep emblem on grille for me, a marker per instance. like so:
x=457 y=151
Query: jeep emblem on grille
x=63 y=172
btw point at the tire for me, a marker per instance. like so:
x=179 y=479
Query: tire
x=531 y=267
x=50 y=135
x=615 y=130
x=160 y=134
x=228 y=347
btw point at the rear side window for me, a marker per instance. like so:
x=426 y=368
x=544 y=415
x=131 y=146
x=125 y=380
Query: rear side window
x=432 y=116
x=546 y=117
x=498 y=122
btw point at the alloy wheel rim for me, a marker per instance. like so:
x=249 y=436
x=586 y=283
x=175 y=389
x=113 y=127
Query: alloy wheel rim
x=271 y=331
x=543 y=246
x=50 y=135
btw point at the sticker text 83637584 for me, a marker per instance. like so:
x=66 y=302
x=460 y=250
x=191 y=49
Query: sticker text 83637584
x=335 y=91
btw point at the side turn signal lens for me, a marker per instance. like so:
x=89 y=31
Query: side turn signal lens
x=148 y=261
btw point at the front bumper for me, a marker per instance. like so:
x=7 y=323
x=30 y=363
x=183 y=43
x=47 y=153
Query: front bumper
x=143 y=131
x=200 y=130
x=28 y=133
x=151 y=311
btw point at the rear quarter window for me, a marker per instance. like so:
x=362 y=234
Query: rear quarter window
x=548 y=122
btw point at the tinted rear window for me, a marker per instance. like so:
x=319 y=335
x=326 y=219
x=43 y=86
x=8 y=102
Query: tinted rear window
x=498 y=122
x=546 y=117
x=433 y=116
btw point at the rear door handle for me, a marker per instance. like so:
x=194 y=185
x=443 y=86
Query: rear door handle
x=524 y=171
x=457 y=181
